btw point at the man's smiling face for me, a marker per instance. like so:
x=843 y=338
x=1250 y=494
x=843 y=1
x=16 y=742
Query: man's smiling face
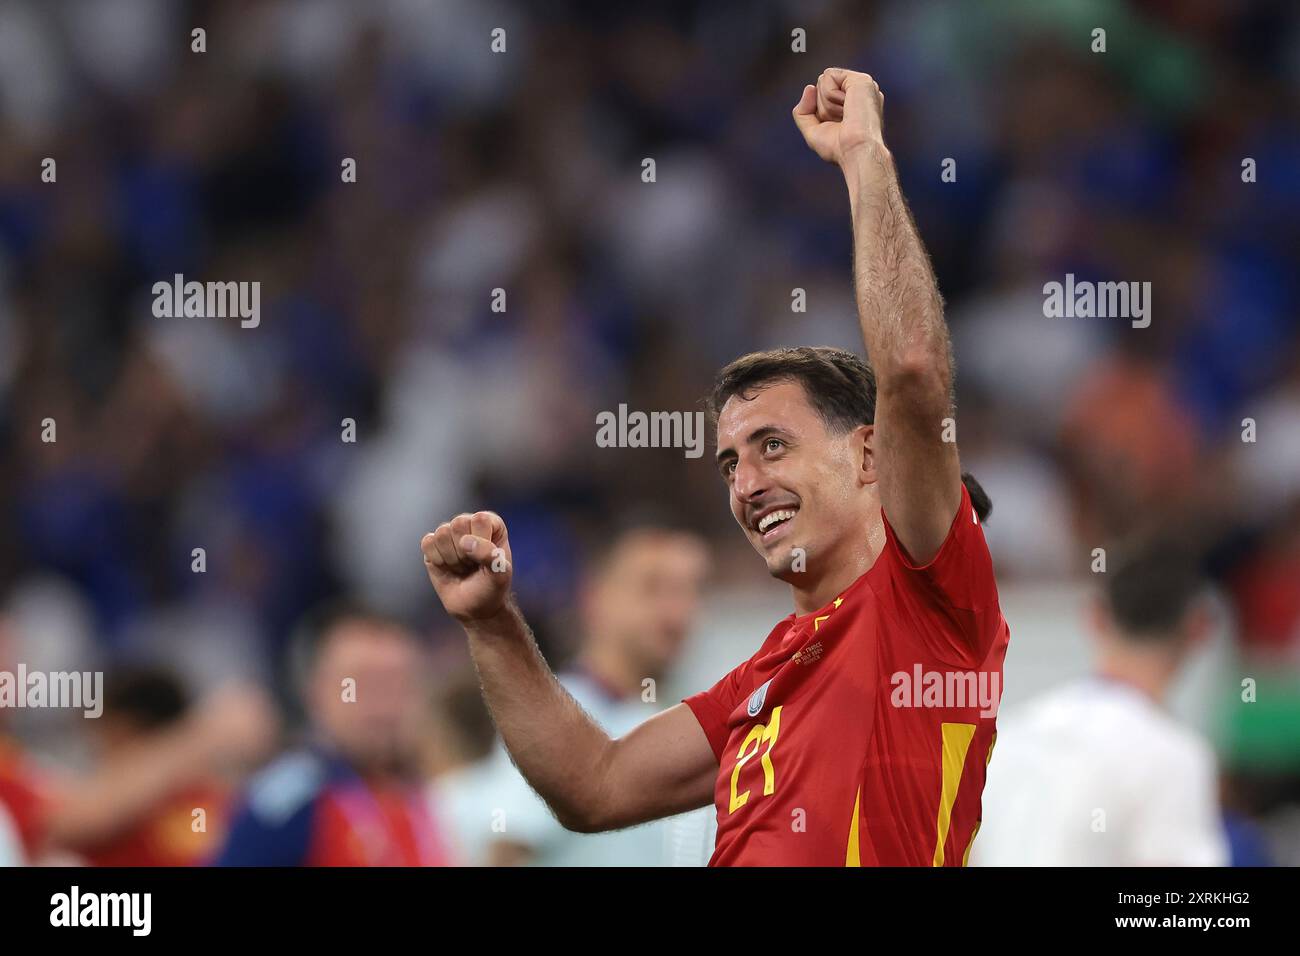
x=793 y=482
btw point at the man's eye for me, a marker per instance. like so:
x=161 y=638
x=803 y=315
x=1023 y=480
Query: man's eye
x=773 y=441
x=728 y=468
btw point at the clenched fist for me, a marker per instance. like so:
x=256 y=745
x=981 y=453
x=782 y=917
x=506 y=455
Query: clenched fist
x=468 y=559
x=842 y=115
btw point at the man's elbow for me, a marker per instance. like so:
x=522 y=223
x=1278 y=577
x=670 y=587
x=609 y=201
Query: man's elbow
x=580 y=824
x=595 y=804
x=593 y=809
x=580 y=819
x=581 y=809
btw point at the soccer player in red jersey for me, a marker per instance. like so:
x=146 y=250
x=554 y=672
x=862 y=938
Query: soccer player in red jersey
x=859 y=732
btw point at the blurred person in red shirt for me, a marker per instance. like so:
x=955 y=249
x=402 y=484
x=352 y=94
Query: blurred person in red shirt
x=116 y=814
x=180 y=827
x=353 y=795
x=20 y=799
x=56 y=811
x=1265 y=590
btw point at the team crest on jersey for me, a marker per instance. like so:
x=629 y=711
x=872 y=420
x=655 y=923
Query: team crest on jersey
x=757 y=699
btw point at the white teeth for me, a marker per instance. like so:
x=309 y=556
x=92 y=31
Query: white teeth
x=770 y=519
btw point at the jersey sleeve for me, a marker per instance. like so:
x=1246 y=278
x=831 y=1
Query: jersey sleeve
x=957 y=583
x=712 y=707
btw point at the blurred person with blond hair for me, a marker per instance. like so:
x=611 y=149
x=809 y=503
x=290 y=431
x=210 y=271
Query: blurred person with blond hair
x=1097 y=772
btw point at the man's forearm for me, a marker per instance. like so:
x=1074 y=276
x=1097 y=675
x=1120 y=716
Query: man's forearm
x=899 y=306
x=555 y=745
x=94 y=808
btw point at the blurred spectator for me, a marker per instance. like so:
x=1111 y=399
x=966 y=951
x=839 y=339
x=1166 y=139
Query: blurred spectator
x=179 y=828
x=351 y=795
x=124 y=808
x=1096 y=773
x=639 y=598
x=458 y=740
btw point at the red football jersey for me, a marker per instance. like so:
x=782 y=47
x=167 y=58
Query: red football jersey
x=165 y=835
x=23 y=794
x=374 y=825
x=859 y=735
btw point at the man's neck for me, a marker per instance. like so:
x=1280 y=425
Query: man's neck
x=839 y=571
x=1149 y=675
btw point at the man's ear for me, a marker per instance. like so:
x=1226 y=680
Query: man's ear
x=864 y=443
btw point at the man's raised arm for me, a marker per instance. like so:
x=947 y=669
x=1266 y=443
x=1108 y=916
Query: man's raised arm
x=900 y=311
x=592 y=783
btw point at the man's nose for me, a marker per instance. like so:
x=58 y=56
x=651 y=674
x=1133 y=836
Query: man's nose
x=748 y=481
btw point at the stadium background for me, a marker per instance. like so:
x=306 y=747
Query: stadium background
x=522 y=171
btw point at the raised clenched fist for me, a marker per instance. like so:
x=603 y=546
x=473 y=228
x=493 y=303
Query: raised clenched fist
x=842 y=115
x=468 y=559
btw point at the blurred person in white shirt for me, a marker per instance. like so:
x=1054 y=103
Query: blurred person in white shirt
x=639 y=600
x=1097 y=772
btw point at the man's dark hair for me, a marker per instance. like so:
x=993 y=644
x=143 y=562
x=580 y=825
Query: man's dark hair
x=1150 y=588
x=147 y=698
x=840 y=386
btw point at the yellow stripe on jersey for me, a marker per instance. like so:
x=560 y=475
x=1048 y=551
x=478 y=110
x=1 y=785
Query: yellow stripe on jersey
x=965 y=857
x=956 y=741
x=851 y=857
